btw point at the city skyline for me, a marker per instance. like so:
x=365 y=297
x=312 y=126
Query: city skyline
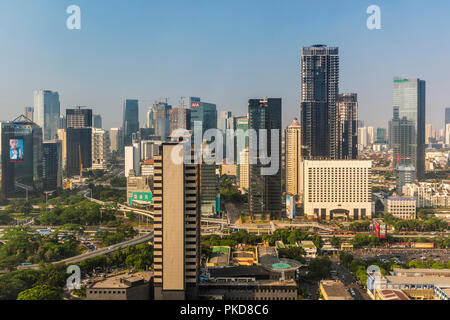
x=226 y=69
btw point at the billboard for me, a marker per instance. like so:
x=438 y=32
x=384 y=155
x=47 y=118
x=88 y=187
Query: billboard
x=16 y=150
x=290 y=206
x=422 y=245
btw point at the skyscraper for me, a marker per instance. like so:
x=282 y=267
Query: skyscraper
x=116 y=140
x=79 y=150
x=133 y=159
x=149 y=119
x=264 y=190
x=29 y=113
x=130 y=120
x=177 y=227
x=21 y=142
x=225 y=122
x=409 y=97
x=99 y=149
x=293 y=159
x=52 y=171
x=447 y=115
x=97 y=121
x=320 y=88
x=381 y=135
x=347 y=126
x=79 y=118
x=241 y=140
x=180 y=118
x=161 y=114
x=203 y=112
x=47 y=112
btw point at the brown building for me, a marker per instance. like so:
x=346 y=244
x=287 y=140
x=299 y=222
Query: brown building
x=177 y=226
x=334 y=290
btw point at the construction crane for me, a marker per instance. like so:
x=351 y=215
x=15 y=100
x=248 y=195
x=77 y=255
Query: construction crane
x=398 y=158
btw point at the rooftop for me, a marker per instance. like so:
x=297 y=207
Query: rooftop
x=393 y=294
x=439 y=281
x=123 y=281
x=335 y=290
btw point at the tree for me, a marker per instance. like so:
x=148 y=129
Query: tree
x=41 y=292
x=346 y=258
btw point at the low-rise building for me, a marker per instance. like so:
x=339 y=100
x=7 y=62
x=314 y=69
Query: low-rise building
x=136 y=286
x=334 y=290
x=390 y=294
x=401 y=207
x=310 y=249
x=139 y=189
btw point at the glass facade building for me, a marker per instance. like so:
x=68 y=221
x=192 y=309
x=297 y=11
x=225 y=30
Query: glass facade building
x=130 y=120
x=264 y=190
x=47 y=112
x=79 y=118
x=79 y=150
x=409 y=97
x=52 y=165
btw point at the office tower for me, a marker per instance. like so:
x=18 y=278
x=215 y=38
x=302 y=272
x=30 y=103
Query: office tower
x=428 y=133
x=370 y=135
x=225 y=121
x=61 y=135
x=52 y=169
x=116 y=140
x=409 y=97
x=62 y=122
x=203 y=112
x=347 y=126
x=381 y=136
x=180 y=118
x=447 y=134
x=244 y=170
x=241 y=140
x=130 y=120
x=79 y=118
x=133 y=159
x=99 y=149
x=441 y=135
x=97 y=121
x=264 y=190
x=149 y=118
x=79 y=150
x=326 y=198
x=403 y=141
x=47 y=112
x=29 y=113
x=320 y=88
x=406 y=174
x=177 y=227
x=362 y=138
x=294 y=159
x=21 y=142
x=161 y=114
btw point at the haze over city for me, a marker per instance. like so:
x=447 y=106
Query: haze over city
x=224 y=52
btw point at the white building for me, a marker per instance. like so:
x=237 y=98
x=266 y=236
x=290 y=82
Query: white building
x=116 y=140
x=401 y=207
x=132 y=159
x=244 y=169
x=429 y=194
x=99 y=149
x=337 y=188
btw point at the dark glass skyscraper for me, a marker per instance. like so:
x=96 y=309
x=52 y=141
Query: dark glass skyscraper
x=409 y=97
x=320 y=88
x=347 y=126
x=203 y=112
x=52 y=165
x=79 y=146
x=264 y=190
x=79 y=118
x=21 y=158
x=130 y=120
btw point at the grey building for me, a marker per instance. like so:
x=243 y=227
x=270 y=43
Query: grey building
x=264 y=190
x=52 y=174
x=161 y=114
x=409 y=97
x=47 y=112
x=320 y=88
x=97 y=121
x=203 y=112
x=79 y=150
x=347 y=126
x=79 y=117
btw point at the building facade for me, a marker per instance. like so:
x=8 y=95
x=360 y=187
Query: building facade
x=347 y=126
x=294 y=159
x=47 y=112
x=130 y=120
x=401 y=207
x=52 y=169
x=79 y=118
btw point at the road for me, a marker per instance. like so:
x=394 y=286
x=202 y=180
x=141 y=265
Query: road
x=118 y=246
x=349 y=280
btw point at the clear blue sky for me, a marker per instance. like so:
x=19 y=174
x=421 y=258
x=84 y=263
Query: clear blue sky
x=223 y=51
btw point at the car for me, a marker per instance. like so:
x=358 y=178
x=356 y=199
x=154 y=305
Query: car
x=352 y=291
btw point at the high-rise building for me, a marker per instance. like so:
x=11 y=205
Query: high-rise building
x=203 y=112
x=79 y=150
x=244 y=170
x=447 y=134
x=409 y=97
x=47 y=112
x=21 y=142
x=362 y=138
x=161 y=114
x=264 y=190
x=116 y=140
x=79 y=118
x=99 y=149
x=428 y=133
x=62 y=136
x=177 y=226
x=294 y=159
x=133 y=159
x=320 y=88
x=241 y=140
x=97 y=121
x=370 y=135
x=180 y=118
x=149 y=118
x=29 y=113
x=381 y=136
x=130 y=120
x=347 y=126
x=225 y=121
x=406 y=174
x=62 y=122
x=447 y=115
x=337 y=188
x=52 y=165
